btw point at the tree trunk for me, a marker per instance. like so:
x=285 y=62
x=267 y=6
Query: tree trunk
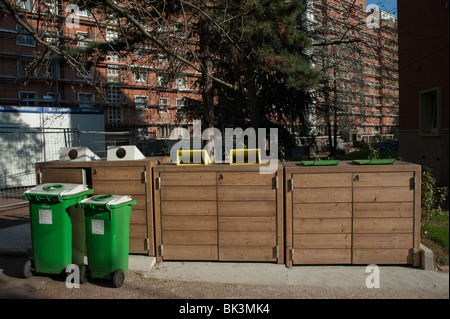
x=207 y=68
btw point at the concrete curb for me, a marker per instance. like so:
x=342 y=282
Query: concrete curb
x=426 y=258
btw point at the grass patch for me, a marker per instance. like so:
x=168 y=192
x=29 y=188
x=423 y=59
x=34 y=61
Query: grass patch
x=437 y=231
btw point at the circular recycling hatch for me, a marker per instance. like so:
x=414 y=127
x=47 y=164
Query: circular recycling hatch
x=102 y=197
x=53 y=187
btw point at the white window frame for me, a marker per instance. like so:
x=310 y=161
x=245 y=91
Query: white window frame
x=84 y=103
x=140 y=105
x=140 y=75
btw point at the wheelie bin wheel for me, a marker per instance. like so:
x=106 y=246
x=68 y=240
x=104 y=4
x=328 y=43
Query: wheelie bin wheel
x=28 y=269
x=118 y=278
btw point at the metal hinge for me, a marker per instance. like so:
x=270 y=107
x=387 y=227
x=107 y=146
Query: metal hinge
x=413 y=182
x=145 y=177
x=292 y=184
x=148 y=244
x=159 y=183
x=162 y=250
x=292 y=254
x=276 y=182
x=276 y=251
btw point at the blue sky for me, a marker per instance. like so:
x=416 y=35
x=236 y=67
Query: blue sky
x=385 y=5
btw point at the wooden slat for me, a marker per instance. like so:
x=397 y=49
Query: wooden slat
x=323 y=195
x=383 y=209
x=138 y=246
x=140 y=201
x=243 y=193
x=196 y=237
x=247 y=239
x=382 y=194
x=247 y=253
x=262 y=208
x=322 y=180
x=188 y=179
x=322 y=241
x=118 y=174
x=327 y=210
x=190 y=252
x=192 y=208
x=398 y=179
x=382 y=225
x=188 y=193
x=322 y=256
x=385 y=241
x=322 y=225
x=138 y=216
x=247 y=224
x=189 y=223
x=119 y=188
x=246 y=178
x=62 y=175
x=382 y=256
x=138 y=231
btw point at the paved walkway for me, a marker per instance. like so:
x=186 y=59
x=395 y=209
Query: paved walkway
x=17 y=241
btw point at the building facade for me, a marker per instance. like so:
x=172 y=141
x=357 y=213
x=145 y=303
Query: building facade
x=424 y=84
x=357 y=99
x=132 y=93
x=355 y=50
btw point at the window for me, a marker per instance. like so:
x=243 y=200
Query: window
x=112 y=57
x=52 y=98
x=24 y=38
x=111 y=35
x=180 y=83
x=26 y=5
x=161 y=80
x=140 y=102
x=51 y=6
x=140 y=75
x=85 y=69
x=28 y=98
x=86 y=99
x=24 y=67
x=83 y=39
x=164 y=131
x=163 y=103
x=114 y=95
x=113 y=73
x=180 y=102
x=430 y=111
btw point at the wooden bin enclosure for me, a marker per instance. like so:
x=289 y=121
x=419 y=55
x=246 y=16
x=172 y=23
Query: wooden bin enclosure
x=127 y=177
x=218 y=212
x=352 y=214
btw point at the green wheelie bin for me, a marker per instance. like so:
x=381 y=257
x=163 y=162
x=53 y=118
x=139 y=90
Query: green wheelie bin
x=57 y=227
x=107 y=219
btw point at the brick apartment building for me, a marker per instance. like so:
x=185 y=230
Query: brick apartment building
x=359 y=68
x=135 y=96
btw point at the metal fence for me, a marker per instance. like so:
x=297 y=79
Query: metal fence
x=21 y=148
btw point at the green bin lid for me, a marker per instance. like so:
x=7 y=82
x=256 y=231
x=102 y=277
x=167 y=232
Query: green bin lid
x=109 y=200
x=57 y=189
